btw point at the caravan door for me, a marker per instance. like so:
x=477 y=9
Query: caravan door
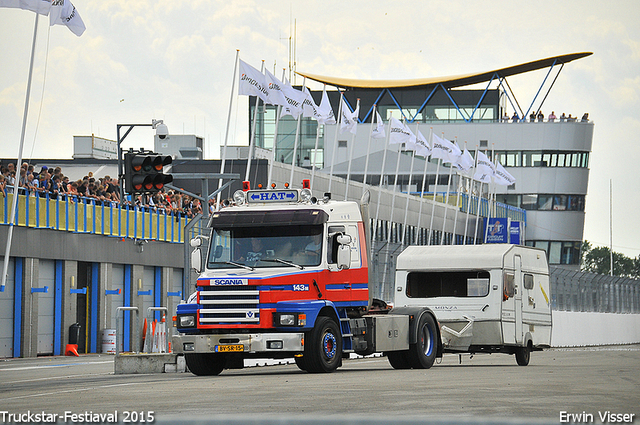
x=512 y=303
x=518 y=297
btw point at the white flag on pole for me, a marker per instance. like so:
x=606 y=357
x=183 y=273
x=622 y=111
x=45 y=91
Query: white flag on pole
x=377 y=130
x=349 y=120
x=294 y=98
x=40 y=6
x=325 y=110
x=484 y=169
x=465 y=161
x=252 y=82
x=422 y=146
x=445 y=150
x=502 y=176
x=309 y=107
x=399 y=132
x=63 y=12
x=275 y=90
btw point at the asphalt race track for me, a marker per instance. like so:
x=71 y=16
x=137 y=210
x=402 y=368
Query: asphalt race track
x=558 y=383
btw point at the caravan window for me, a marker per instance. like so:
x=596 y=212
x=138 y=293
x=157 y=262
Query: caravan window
x=528 y=281
x=509 y=286
x=473 y=283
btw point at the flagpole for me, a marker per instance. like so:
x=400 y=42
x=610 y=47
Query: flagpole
x=435 y=192
x=335 y=142
x=471 y=184
x=226 y=134
x=14 y=200
x=253 y=132
x=424 y=180
x=366 y=162
x=475 y=234
x=446 y=203
x=315 y=149
x=384 y=161
x=353 y=143
x=458 y=188
x=489 y=200
x=406 y=209
x=295 y=141
x=275 y=138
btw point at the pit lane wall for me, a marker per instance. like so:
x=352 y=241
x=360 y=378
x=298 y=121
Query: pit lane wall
x=583 y=329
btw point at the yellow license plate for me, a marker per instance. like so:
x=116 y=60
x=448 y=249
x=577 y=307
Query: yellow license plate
x=228 y=348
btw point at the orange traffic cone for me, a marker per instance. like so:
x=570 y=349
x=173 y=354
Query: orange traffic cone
x=71 y=350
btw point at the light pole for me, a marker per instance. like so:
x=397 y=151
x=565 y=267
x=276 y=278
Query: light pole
x=161 y=130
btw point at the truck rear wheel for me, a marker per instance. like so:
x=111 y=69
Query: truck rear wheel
x=204 y=364
x=399 y=359
x=422 y=354
x=323 y=347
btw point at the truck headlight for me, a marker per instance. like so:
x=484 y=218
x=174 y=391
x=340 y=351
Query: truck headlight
x=287 y=319
x=291 y=319
x=187 y=321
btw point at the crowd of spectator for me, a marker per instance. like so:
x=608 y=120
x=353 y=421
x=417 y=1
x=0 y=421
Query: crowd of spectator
x=53 y=184
x=539 y=117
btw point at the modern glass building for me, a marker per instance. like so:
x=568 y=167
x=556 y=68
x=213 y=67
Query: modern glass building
x=548 y=157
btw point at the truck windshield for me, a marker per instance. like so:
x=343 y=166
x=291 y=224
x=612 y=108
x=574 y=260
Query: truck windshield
x=267 y=246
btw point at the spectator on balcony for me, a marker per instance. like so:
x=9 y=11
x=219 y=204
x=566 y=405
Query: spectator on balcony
x=532 y=116
x=585 y=117
x=563 y=117
x=552 y=116
x=515 y=117
x=540 y=116
x=3 y=185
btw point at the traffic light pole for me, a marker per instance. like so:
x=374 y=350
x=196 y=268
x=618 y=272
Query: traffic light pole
x=119 y=140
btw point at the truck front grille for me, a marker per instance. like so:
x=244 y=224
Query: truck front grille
x=229 y=304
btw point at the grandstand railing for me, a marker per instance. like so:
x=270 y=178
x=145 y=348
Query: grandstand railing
x=79 y=214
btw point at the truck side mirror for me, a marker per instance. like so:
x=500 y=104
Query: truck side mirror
x=344 y=251
x=344 y=257
x=196 y=260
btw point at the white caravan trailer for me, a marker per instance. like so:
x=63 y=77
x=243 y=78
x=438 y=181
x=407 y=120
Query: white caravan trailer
x=488 y=298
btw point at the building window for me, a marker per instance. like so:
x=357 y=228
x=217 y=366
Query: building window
x=342 y=143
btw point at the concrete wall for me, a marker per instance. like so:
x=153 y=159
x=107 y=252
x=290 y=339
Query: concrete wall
x=578 y=329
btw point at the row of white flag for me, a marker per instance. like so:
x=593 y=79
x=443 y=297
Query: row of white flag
x=295 y=102
x=61 y=12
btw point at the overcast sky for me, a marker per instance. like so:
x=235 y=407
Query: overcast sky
x=173 y=60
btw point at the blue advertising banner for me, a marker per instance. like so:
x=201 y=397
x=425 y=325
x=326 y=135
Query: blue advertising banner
x=497 y=231
x=516 y=233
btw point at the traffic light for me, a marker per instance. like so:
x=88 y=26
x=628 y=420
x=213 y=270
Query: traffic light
x=143 y=172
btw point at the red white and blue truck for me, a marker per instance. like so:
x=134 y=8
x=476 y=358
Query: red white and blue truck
x=287 y=275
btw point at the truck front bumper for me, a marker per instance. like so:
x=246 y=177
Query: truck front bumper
x=251 y=343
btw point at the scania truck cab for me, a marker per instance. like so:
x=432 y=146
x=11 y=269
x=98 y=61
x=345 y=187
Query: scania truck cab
x=286 y=275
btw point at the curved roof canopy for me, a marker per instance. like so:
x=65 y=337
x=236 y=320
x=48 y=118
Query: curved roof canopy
x=448 y=82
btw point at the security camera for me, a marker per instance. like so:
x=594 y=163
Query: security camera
x=162 y=131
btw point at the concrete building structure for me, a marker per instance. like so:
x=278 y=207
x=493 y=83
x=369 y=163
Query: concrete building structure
x=548 y=157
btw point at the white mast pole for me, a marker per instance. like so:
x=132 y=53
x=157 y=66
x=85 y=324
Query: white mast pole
x=295 y=141
x=14 y=203
x=226 y=134
x=353 y=143
x=253 y=132
x=424 y=180
x=335 y=142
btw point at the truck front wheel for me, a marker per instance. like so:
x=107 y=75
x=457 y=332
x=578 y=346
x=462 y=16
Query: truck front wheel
x=422 y=354
x=323 y=347
x=523 y=355
x=204 y=364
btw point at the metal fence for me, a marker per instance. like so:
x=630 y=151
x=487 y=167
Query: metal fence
x=87 y=215
x=579 y=291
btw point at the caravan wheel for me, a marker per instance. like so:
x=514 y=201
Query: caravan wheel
x=523 y=355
